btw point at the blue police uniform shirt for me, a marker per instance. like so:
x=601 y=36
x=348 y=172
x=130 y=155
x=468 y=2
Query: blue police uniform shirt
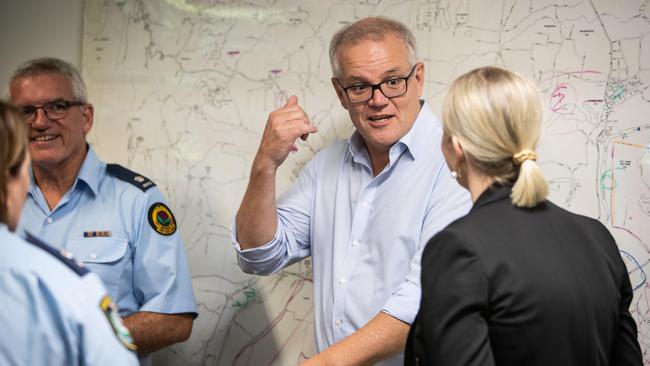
x=55 y=313
x=365 y=233
x=121 y=230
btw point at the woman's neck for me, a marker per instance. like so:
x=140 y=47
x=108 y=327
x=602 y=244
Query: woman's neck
x=477 y=182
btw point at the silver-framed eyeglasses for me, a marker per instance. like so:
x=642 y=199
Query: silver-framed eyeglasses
x=56 y=109
x=391 y=88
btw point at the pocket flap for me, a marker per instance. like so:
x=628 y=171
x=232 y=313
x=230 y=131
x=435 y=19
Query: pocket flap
x=97 y=250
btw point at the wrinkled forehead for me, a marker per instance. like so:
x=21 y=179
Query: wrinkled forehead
x=373 y=37
x=379 y=53
x=41 y=87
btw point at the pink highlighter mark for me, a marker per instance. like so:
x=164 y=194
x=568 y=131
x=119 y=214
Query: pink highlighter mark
x=557 y=97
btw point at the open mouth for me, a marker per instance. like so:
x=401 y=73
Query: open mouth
x=43 y=138
x=380 y=118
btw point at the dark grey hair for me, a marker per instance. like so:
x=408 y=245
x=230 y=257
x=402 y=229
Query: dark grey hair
x=371 y=28
x=50 y=65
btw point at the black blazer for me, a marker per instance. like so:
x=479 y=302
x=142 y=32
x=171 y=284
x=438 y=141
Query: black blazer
x=522 y=287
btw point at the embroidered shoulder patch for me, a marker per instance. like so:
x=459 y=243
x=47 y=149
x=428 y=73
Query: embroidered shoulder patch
x=113 y=316
x=63 y=256
x=161 y=219
x=129 y=176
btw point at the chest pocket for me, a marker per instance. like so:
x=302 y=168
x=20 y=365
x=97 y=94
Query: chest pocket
x=106 y=257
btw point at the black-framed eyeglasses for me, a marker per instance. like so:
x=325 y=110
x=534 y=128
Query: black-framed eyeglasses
x=391 y=88
x=56 y=109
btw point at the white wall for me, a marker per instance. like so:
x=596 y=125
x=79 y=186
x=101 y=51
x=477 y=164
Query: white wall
x=37 y=28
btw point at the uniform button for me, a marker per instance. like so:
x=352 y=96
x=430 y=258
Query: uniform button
x=355 y=243
x=364 y=204
x=49 y=220
x=93 y=256
x=338 y=322
x=342 y=281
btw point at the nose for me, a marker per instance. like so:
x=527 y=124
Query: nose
x=41 y=120
x=378 y=98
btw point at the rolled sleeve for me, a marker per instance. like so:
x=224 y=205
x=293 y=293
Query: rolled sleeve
x=405 y=301
x=263 y=260
x=271 y=257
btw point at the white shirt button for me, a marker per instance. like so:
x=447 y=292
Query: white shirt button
x=49 y=220
x=342 y=281
x=364 y=204
x=355 y=243
x=338 y=322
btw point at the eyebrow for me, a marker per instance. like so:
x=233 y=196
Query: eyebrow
x=384 y=76
x=47 y=102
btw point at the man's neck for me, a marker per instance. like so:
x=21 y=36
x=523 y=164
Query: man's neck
x=55 y=181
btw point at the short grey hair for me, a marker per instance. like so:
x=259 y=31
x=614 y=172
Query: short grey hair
x=51 y=65
x=371 y=28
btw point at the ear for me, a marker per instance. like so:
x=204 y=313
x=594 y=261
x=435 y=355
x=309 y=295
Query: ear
x=457 y=149
x=87 y=115
x=419 y=78
x=340 y=93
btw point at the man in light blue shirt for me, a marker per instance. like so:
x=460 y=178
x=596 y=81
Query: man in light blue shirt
x=363 y=208
x=113 y=220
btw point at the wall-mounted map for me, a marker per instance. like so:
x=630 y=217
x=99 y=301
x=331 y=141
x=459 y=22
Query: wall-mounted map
x=182 y=90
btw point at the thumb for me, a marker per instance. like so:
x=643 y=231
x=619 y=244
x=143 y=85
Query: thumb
x=293 y=100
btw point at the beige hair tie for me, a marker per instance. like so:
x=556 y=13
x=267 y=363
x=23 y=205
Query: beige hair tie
x=524 y=155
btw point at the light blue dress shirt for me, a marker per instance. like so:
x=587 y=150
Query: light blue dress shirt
x=50 y=314
x=365 y=234
x=142 y=269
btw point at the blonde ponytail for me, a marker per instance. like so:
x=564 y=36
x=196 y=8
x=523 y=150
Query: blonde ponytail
x=530 y=188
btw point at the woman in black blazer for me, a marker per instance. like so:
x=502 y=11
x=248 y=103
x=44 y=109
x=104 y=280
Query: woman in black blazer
x=518 y=280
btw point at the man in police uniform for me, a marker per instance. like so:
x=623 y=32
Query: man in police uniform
x=113 y=220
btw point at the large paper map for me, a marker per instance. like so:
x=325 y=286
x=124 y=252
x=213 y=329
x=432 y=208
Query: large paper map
x=182 y=90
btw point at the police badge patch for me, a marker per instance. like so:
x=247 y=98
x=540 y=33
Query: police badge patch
x=161 y=219
x=110 y=310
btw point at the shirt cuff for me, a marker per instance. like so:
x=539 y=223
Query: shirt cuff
x=261 y=260
x=404 y=304
x=170 y=306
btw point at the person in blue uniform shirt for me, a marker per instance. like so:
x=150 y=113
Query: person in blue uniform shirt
x=518 y=280
x=113 y=220
x=54 y=312
x=362 y=208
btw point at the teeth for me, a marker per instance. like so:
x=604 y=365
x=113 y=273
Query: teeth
x=378 y=118
x=44 y=138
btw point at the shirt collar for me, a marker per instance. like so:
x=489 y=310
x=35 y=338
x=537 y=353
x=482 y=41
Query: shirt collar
x=90 y=171
x=412 y=142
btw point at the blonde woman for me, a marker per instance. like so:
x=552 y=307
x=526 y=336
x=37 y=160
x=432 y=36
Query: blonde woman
x=53 y=311
x=518 y=280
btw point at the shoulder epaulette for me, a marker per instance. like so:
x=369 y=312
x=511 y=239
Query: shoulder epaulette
x=67 y=259
x=129 y=176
